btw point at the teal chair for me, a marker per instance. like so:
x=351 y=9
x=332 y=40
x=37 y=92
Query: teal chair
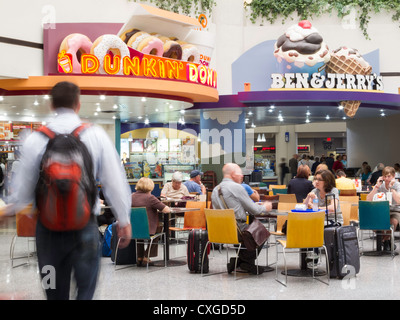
x=279 y=191
x=375 y=215
x=141 y=233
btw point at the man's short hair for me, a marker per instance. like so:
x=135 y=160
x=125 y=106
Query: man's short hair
x=340 y=173
x=65 y=95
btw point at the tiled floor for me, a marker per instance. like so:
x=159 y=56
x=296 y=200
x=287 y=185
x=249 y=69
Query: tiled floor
x=378 y=279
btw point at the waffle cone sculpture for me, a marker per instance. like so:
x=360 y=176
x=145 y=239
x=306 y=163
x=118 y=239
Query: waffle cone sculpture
x=349 y=61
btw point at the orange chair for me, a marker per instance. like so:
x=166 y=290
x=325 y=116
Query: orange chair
x=26 y=228
x=193 y=219
x=287 y=198
x=350 y=192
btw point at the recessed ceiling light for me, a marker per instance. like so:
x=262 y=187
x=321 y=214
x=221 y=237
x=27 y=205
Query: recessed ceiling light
x=327 y=117
x=250 y=113
x=344 y=118
x=46 y=97
x=96 y=114
x=271 y=110
x=1 y=98
x=114 y=117
x=156 y=110
x=144 y=99
x=307 y=120
x=115 y=106
x=98 y=109
x=340 y=107
x=272 y=107
x=102 y=97
x=182 y=111
x=382 y=114
x=140 y=117
x=36 y=103
x=146 y=121
x=308 y=113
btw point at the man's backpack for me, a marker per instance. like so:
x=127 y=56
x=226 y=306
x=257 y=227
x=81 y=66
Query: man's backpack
x=66 y=190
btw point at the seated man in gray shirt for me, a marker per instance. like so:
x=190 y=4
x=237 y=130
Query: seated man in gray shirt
x=236 y=198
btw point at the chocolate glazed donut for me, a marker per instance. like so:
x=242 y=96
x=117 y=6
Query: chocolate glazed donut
x=308 y=45
x=129 y=34
x=172 y=50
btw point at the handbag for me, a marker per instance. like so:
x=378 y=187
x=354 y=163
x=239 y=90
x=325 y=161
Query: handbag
x=254 y=235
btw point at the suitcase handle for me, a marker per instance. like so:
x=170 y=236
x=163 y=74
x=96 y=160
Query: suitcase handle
x=334 y=204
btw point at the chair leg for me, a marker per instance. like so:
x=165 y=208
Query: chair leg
x=202 y=258
x=14 y=239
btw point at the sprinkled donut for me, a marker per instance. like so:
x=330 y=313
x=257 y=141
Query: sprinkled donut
x=128 y=34
x=190 y=53
x=137 y=38
x=76 y=44
x=172 y=50
x=151 y=45
x=106 y=43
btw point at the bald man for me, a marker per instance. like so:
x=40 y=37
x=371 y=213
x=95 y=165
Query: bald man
x=236 y=198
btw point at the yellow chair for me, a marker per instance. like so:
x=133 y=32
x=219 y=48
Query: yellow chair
x=346 y=212
x=354 y=200
x=304 y=230
x=363 y=196
x=222 y=229
x=287 y=198
x=276 y=186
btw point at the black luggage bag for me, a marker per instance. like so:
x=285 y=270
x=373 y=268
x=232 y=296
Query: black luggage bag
x=342 y=247
x=126 y=255
x=197 y=242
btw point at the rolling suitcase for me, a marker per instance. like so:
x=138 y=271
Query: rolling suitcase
x=342 y=247
x=126 y=255
x=197 y=242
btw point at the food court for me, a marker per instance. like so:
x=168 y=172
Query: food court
x=260 y=153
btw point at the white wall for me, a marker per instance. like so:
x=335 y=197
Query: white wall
x=373 y=140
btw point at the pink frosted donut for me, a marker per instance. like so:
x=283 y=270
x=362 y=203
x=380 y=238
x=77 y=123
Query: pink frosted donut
x=151 y=45
x=76 y=44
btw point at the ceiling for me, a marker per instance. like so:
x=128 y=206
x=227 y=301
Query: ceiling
x=104 y=109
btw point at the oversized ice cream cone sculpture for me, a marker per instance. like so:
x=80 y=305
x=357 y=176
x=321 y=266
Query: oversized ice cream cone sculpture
x=350 y=107
x=349 y=61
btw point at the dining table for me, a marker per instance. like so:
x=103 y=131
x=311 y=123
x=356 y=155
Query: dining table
x=166 y=220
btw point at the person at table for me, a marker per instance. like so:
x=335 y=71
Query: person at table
x=253 y=194
x=234 y=196
x=366 y=173
x=344 y=183
x=387 y=183
x=175 y=189
x=338 y=164
x=143 y=198
x=195 y=184
x=300 y=185
x=376 y=174
x=325 y=184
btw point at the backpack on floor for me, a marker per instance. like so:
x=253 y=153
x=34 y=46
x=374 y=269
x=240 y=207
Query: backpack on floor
x=66 y=190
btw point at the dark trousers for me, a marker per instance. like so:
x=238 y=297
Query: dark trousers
x=248 y=256
x=60 y=253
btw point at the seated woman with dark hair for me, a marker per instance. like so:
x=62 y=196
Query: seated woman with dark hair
x=300 y=185
x=325 y=183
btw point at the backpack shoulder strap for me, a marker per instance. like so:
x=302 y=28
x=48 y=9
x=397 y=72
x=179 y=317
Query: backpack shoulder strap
x=78 y=130
x=47 y=132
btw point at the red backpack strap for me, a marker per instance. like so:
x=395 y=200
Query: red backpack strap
x=82 y=127
x=46 y=131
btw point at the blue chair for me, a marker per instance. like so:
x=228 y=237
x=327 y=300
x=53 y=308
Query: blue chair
x=279 y=191
x=141 y=233
x=375 y=215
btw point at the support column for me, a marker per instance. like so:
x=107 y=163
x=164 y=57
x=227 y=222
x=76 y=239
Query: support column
x=286 y=146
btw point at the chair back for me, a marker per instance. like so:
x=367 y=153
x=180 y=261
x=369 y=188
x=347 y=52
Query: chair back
x=346 y=212
x=195 y=219
x=276 y=186
x=351 y=199
x=26 y=221
x=287 y=198
x=281 y=219
x=363 y=196
x=275 y=200
x=279 y=191
x=221 y=226
x=347 y=192
x=140 y=223
x=374 y=215
x=305 y=230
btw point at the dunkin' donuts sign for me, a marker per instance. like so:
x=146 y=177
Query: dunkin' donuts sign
x=113 y=57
